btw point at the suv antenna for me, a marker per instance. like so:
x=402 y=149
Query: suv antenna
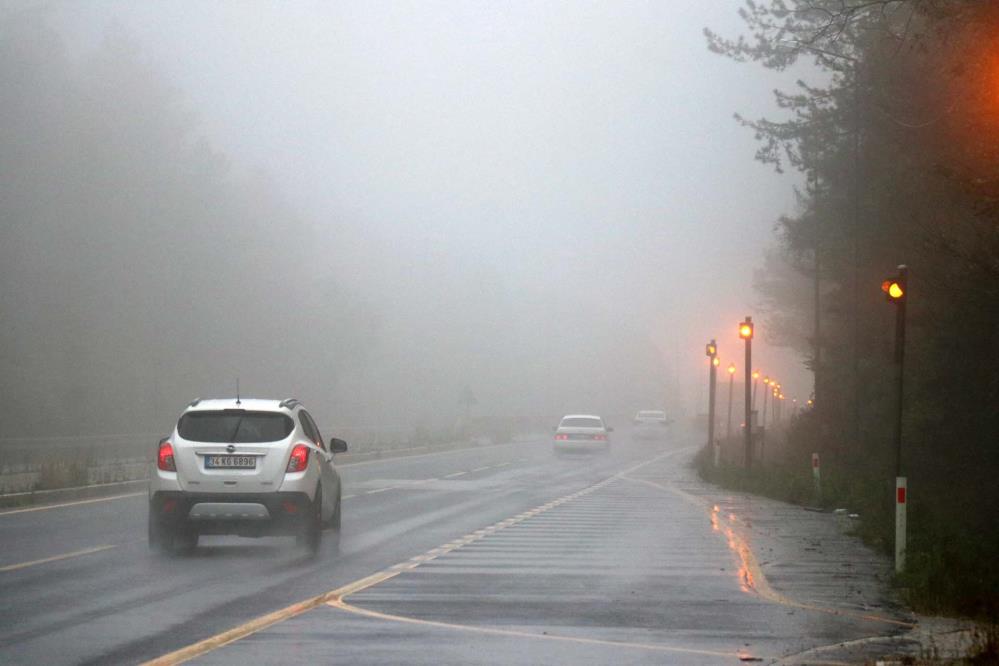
x=237 y=392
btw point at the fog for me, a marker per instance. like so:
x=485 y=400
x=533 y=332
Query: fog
x=375 y=207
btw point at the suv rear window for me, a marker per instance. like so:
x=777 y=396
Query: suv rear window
x=236 y=426
x=581 y=423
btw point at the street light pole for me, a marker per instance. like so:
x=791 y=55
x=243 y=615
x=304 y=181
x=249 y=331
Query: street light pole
x=900 y=362
x=711 y=351
x=897 y=291
x=731 y=378
x=766 y=394
x=746 y=333
x=756 y=382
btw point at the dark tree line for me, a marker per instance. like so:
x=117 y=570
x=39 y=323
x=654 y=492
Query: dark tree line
x=898 y=143
x=138 y=269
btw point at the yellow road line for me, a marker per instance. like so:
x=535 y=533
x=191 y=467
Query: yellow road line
x=340 y=604
x=61 y=505
x=55 y=558
x=751 y=573
x=253 y=626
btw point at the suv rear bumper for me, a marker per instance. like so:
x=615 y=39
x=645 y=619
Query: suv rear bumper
x=245 y=514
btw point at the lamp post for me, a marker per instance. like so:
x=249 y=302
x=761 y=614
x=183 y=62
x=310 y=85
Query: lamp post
x=756 y=383
x=766 y=394
x=711 y=351
x=746 y=333
x=773 y=405
x=731 y=379
x=896 y=290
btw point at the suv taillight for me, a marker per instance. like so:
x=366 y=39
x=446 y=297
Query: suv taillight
x=299 y=459
x=561 y=437
x=164 y=457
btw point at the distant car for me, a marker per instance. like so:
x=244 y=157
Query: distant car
x=247 y=467
x=650 y=424
x=582 y=432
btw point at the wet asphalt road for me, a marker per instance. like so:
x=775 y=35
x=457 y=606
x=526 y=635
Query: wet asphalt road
x=504 y=554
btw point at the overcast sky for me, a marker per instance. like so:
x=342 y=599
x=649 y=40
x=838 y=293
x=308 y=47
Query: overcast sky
x=576 y=152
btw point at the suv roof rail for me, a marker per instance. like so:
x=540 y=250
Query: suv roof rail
x=194 y=403
x=290 y=403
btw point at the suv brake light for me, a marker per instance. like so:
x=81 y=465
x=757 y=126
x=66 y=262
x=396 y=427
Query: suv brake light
x=164 y=457
x=299 y=459
x=561 y=437
x=600 y=437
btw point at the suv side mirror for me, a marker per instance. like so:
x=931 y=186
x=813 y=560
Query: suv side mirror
x=338 y=445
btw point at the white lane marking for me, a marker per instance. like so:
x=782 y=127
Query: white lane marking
x=55 y=558
x=378 y=490
x=61 y=505
x=451 y=476
x=348 y=497
x=336 y=597
x=479 y=469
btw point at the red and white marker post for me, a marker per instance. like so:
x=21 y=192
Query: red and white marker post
x=901 y=497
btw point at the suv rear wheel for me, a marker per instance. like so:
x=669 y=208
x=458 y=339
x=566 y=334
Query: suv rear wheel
x=334 y=525
x=167 y=539
x=311 y=531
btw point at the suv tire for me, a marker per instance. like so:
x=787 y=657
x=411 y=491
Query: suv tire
x=311 y=534
x=334 y=525
x=170 y=540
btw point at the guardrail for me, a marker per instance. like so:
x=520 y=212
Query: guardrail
x=31 y=464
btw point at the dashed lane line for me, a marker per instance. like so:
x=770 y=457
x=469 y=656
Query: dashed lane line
x=456 y=474
x=378 y=490
x=481 y=469
x=55 y=558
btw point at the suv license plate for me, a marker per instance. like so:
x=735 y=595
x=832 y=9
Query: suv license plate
x=230 y=462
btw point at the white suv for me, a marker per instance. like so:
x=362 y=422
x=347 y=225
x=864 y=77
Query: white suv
x=248 y=467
